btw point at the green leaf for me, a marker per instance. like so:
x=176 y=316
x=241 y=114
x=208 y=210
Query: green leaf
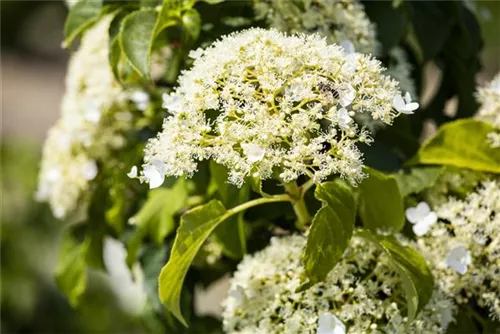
x=415 y=275
x=196 y=226
x=115 y=51
x=381 y=205
x=136 y=39
x=82 y=15
x=417 y=179
x=231 y=233
x=463 y=144
x=191 y=22
x=156 y=218
x=213 y=2
x=331 y=229
x=432 y=22
x=71 y=271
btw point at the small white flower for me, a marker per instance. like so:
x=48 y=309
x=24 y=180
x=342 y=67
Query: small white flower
x=347 y=95
x=171 y=102
x=348 y=46
x=89 y=170
x=253 y=152
x=404 y=106
x=459 y=258
x=155 y=173
x=238 y=294
x=140 y=98
x=421 y=217
x=133 y=172
x=330 y=324
x=344 y=118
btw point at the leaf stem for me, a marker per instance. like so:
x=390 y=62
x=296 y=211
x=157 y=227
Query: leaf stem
x=255 y=202
x=299 y=205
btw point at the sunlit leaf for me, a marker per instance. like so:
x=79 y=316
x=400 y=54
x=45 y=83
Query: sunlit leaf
x=331 y=229
x=417 y=179
x=82 y=15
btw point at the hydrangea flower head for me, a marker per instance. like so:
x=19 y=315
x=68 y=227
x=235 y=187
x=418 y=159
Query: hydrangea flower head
x=463 y=246
x=363 y=294
x=263 y=103
x=94 y=117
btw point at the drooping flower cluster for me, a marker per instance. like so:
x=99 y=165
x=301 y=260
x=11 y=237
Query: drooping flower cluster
x=262 y=103
x=489 y=98
x=93 y=115
x=361 y=295
x=338 y=21
x=463 y=247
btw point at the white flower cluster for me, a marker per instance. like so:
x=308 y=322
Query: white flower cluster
x=489 y=98
x=94 y=112
x=362 y=294
x=338 y=21
x=463 y=247
x=262 y=103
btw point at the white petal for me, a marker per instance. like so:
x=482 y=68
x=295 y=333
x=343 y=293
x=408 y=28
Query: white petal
x=238 y=294
x=141 y=99
x=171 y=102
x=398 y=103
x=253 y=152
x=154 y=177
x=430 y=219
x=344 y=118
x=421 y=228
x=411 y=107
x=347 y=95
x=330 y=324
x=459 y=258
x=347 y=46
x=423 y=209
x=133 y=172
x=408 y=97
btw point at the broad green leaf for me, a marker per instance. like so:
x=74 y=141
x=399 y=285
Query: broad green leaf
x=83 y=14
x=136 y=39
x=156 y=218
x=191 y=22
x=461 y=143
x=71 y=271
x=381 y=205
x=331 y=229
x=169 y=15
x=432 y=22
x=231 y=233
x=415 y=275
x=115 y=51
x=417 y=179
x=213 y=2
x=196 y=226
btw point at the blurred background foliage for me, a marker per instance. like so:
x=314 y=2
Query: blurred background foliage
x=33 y=65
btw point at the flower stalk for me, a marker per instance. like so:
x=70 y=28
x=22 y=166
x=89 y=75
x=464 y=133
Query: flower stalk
x=299 y=205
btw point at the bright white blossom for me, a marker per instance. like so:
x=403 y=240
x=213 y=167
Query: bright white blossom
x=404 y=105
x=463 y=247
x=260 y=102
x=363 y=294
x=421 y=217
x=93 y=116
x=489 y=111
x=140 y=98
x=459 y=258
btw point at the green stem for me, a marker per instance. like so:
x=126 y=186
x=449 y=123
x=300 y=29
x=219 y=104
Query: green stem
x=299 y=205
x=255 y=202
